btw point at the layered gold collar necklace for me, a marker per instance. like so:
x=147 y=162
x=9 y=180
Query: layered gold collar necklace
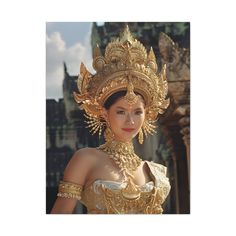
x=123 y=155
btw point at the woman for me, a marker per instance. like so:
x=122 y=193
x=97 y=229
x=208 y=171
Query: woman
x=124 y=97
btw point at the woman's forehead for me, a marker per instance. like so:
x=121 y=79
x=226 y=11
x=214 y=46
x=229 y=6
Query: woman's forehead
x=122 y=102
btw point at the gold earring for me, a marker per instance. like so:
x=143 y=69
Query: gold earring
x=94 y=124
x=149 y=127
x=108 y=134
x=140 y=136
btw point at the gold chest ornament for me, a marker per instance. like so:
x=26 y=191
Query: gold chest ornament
x=130 y=197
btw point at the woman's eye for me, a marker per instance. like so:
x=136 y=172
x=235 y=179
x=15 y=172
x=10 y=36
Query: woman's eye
x=120 y=112
x=138 y=112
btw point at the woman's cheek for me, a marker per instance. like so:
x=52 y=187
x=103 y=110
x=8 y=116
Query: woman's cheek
x=140 y=120
x=117 y=122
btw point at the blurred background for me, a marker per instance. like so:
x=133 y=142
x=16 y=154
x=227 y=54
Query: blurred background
x=70 y=43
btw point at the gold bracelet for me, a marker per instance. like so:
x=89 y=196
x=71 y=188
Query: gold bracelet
x=69 y=190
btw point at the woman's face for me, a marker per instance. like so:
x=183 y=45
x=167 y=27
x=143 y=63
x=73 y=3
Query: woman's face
x=125 y=120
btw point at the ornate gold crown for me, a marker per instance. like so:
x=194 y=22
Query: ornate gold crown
x=125 y=66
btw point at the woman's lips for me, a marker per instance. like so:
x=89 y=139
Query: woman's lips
x=128 y=129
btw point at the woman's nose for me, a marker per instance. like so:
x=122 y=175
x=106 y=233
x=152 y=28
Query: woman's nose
x=130 y=119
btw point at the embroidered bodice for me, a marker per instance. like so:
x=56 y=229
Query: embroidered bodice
x=109 y=197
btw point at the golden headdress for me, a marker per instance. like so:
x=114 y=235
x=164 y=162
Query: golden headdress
x=125 y=66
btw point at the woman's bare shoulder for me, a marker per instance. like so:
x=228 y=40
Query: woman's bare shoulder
x=80 y=165
x=86 y=154
x=86 y=150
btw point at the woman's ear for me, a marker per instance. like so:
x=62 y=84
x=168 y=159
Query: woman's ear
x=105 y=114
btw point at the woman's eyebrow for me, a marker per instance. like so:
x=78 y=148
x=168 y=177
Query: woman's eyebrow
x=138 y=108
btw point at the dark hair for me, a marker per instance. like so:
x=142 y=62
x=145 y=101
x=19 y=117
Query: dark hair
x=115 y=96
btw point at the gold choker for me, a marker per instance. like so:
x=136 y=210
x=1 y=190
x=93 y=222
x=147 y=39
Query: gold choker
x=123 y=155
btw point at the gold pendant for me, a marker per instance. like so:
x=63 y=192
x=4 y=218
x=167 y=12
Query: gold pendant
x=131 y=191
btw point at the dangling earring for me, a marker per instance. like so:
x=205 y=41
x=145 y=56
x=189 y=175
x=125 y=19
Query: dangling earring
x=94 y=124
x=140 y=136
x=108 y=134
x=149 y=127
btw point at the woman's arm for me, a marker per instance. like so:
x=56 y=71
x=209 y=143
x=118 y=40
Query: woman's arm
x=74 y=174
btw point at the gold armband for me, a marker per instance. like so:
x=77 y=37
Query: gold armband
x=69 y=190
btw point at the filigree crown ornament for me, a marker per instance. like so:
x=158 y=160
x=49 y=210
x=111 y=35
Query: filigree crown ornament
x=126 y=66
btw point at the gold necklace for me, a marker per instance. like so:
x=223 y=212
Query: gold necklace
x=123 y=155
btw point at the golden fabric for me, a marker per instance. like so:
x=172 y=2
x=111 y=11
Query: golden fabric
x=107 y=197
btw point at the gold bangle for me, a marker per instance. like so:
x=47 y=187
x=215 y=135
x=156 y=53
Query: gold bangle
x=69 y=190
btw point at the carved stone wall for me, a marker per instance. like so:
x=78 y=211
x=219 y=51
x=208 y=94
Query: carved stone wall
x=177 y=120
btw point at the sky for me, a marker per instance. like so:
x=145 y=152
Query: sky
x=67 y=42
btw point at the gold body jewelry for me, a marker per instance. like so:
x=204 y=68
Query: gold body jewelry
x=69 y=190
